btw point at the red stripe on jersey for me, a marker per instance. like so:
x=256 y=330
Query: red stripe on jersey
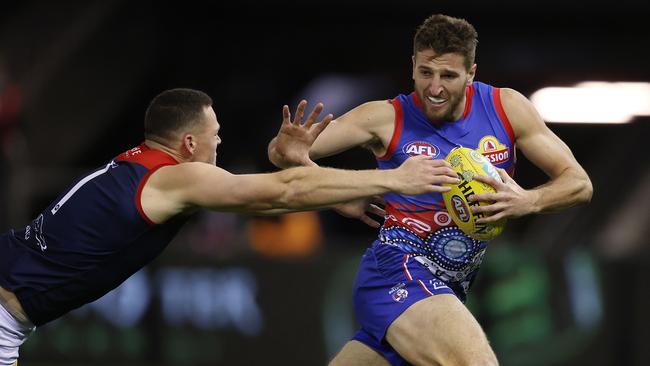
x=397 y=131
x=425 y=288
x=147 y=157
x=152 y=160
x=496 y=95
x=406 y=270
x=138 y=195
x=469 y=92
x=416 y=100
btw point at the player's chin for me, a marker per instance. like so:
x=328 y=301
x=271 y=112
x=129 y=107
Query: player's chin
x=439 y=114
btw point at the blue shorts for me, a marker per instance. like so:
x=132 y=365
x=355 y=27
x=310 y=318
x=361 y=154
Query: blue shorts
x=388 y=282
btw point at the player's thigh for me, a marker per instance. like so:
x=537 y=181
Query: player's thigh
x=355 y=353
x=439 y=330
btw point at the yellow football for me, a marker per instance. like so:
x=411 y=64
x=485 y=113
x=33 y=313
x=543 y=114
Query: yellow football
x=467 y=163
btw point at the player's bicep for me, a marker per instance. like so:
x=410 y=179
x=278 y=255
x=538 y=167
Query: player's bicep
x=220 y=190
x=367 y=124
x=190 y=185
x=547 y=151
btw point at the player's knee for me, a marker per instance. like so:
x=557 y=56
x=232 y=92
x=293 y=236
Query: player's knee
x=485 y=358
x=462 y=358
x=485 y=361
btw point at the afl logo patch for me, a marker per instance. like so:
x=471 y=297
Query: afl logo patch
x=421 y=148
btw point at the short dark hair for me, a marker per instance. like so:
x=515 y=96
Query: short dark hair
x=174 y=110
x=445 y=34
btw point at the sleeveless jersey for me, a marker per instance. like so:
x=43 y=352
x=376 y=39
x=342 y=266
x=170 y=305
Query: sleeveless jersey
x=420 y=225
x=88 y=241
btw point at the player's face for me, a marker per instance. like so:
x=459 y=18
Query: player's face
x=208 y=138
x=440 y=82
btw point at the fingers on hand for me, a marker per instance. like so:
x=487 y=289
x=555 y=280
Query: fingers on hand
x=376 y=210
x=447 y=172
x=321 y=126
x=439 y=189
x=491 y=218
x=485 y=209
x=485 y=179
x=378 y=200
x=503 y=174
x=286 y=114
x=440 y=163
x=313 y=115
x=370 y=222
x=300 y=111
x=445 y=179
x=483 y=197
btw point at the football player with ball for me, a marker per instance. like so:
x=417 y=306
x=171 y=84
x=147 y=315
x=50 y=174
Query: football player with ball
x=412 y=281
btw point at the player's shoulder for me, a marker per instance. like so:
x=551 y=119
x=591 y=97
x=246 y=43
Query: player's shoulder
x=515 y=103
x=184 y=175
x=372 y=112
x=520 y=111
x=377 y=107
x=146 y=156
x=512 y=96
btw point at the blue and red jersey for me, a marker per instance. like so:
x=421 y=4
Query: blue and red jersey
x=88 y=241
x=420 y=225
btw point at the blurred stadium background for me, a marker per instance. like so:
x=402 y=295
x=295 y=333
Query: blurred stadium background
x=76 y=77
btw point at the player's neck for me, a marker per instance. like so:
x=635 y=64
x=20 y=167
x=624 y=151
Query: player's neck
x=460 y=109
x=166 y=149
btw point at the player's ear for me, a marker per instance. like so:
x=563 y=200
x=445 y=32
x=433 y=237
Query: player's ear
x=189 y=143
x=413 y=61
x=471 y=74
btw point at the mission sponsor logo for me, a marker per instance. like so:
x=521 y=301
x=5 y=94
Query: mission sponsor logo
x=493 y=150
x=421 y=148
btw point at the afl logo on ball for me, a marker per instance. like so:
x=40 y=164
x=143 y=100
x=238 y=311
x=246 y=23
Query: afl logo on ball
x=460 y=208
x=421 y=148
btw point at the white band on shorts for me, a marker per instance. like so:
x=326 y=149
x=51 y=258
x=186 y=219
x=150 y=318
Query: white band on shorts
x=13 y=334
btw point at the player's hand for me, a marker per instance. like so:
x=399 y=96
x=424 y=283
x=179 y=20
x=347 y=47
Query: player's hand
x=359 y=209
x=420 y=174
x=295 y=138
x=509 y=201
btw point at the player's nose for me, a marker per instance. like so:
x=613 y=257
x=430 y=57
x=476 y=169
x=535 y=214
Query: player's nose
x=435 y=88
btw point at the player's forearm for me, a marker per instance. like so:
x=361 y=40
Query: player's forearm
x=311 y=187
x=571 y=188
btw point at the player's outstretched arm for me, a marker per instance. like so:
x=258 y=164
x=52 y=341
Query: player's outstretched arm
x=569 y=184
x=297 y=144
x=174 y=189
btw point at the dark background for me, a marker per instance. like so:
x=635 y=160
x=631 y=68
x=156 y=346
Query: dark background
x=560 y=289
